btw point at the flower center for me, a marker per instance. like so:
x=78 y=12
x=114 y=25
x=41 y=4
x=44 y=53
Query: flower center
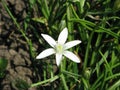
x=59 y=48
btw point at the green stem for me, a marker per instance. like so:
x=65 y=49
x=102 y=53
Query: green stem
x=45 y=81
x=64 y=82
x=62 y=77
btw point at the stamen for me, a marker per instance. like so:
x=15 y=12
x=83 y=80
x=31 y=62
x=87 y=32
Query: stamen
x=59 y=48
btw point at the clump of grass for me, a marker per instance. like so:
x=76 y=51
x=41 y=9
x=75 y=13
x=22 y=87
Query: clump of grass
x=95 y=23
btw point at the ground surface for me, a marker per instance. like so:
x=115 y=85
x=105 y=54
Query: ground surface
x=13 y=48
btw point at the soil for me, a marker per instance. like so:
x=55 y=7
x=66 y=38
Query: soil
x=13 y=48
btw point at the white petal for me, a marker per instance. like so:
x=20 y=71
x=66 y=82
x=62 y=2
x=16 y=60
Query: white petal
x=45 y=53
x=71 y=56
x=58 y=58
x=49 y=39
x=72 y=44
x=63 y=36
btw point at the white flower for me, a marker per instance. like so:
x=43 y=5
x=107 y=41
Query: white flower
x=59 y=48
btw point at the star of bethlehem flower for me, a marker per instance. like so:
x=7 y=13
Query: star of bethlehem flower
x=59 y=47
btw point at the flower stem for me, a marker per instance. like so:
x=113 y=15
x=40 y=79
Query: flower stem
x=45 y=81
x=64 y=82
x=62 y=77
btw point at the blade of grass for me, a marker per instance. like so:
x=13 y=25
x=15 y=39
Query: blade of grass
x=45 y=81
x=87 y=50
x=14 y=20
x=97 y=83
x=100 y=29
x=101 y=61
x=114 y=86
x=107 y=64
x=94 y=54
x=112 y=77
x=44 y=8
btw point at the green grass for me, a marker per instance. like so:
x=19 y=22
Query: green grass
x=95 y=23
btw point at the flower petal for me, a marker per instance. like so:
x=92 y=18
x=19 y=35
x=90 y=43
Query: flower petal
x=71 y=56
x=58 y=58
x=49 y=39
x=72 y=44
x=63 y=36
x=45 y=53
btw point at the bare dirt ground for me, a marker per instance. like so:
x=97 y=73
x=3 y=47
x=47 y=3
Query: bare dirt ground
x=13 y=48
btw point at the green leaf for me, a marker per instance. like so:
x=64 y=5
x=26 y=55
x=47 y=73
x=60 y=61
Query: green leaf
x=40 y=20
